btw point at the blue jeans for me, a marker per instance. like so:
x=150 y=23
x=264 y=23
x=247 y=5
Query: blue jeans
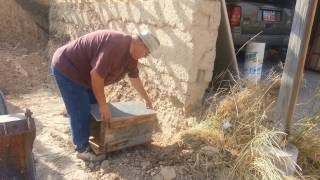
x=77 y=100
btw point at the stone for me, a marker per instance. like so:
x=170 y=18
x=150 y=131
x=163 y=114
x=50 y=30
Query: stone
x=210 y=150
x=168 y=172
x=157 y=177
x=91 y=165
x=153 y=173
x=105 y=164
x=111 y=176
x=186 y=152
x=145 y=164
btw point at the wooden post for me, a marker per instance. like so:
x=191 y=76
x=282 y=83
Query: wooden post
x=226 y=60
x=294 y=66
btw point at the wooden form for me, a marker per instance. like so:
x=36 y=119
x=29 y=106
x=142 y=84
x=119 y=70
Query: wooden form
x=313 y=58
x=294 y=66
x=131 y=124
x=225 y=53
x=17 y=134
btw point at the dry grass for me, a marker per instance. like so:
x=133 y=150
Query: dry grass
x=306 y=137
x=263 y=159
x=246 y=108
x=240 y=122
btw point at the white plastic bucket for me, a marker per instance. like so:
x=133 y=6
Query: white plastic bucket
x=285 y=159
x=291 y=169
x=254 y=60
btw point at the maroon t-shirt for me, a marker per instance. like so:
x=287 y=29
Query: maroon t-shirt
x=105 y=51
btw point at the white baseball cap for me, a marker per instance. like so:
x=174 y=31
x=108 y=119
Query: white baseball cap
x=150 y=41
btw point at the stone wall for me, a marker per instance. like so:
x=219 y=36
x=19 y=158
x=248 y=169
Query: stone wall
x=18 y=26
x=187 y=30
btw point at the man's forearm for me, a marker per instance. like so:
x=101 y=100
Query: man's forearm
x=97 y=84
x=137 y=84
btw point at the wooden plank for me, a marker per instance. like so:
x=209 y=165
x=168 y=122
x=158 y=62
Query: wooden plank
x=129 y=142
x=225 y=53
x=121 y=123
x=97 y=135
x=313 y=62
x=294 y=66
x=16 y=158
x=17 y=134
x=314 y=56
x=30 y=167
x=12 y=157
x=131 y=131
x=96 y=146
x=126 y=114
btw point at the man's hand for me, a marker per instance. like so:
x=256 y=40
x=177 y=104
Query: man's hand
x=137 y=84
x=148 y=104
x=105 y=113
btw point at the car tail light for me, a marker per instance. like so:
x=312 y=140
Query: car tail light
x=234 y=13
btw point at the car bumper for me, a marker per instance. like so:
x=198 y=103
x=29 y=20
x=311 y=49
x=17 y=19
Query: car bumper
x=270 y=40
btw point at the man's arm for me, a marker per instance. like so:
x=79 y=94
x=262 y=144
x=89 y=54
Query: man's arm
x=97 y=84
x=137 y=84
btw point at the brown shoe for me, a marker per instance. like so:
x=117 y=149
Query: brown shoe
x=90 y=156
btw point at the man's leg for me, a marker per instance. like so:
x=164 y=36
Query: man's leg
x=77 y=102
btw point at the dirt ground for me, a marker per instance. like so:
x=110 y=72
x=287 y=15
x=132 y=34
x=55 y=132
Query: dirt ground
x=26 y=82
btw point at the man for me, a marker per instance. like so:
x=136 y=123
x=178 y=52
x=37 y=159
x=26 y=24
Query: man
x=83 y=67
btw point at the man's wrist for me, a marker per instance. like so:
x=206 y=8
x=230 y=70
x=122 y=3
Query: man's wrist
x=103 y=105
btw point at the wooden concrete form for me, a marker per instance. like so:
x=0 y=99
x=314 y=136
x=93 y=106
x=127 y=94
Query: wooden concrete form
x=225 y=53
x=131 y=124
x=17 y=134
x=313 y=57
x=294 y=66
